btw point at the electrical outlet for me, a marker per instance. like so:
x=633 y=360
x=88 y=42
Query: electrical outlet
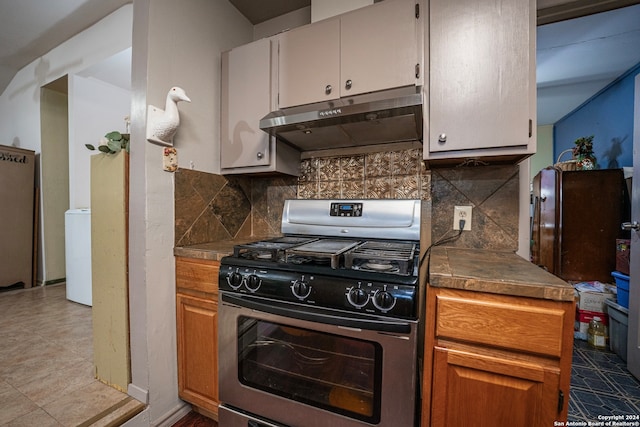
x=462 y=212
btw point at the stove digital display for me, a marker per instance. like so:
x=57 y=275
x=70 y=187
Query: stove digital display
x=346 y=209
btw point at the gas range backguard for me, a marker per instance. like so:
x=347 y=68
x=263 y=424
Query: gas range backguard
x=374 y=219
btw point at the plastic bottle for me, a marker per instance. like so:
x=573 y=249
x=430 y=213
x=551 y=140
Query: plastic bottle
x=596 y=334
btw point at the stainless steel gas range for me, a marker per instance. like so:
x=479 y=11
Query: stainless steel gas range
x=319 y=327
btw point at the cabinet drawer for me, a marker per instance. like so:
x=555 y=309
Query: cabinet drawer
x=197 y=274
x=527 y=328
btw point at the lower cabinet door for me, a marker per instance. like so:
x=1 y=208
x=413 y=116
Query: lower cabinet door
x=485 y=391
x=197 y=324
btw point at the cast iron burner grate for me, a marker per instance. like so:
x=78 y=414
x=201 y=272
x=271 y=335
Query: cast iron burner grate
x=268 y=250
x=385 y=257
x=323 y=251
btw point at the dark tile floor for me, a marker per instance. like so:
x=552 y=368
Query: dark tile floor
x=601 y=385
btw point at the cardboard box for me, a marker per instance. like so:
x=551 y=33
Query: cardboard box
x=623 y=246
x=590 y=302
x=581 y=325
x=590 y=296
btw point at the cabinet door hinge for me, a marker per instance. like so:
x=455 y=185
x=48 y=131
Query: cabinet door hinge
x=560 y=400
x=417 y=10
x=417 y=71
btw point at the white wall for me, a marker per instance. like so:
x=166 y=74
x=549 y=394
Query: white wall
x=174 y=44
x=20 y=102
x=95 y=108
x=185 y=43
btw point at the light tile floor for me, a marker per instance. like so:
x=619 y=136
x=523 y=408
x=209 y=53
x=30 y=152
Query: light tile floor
x=47 y=378
x=46 y=362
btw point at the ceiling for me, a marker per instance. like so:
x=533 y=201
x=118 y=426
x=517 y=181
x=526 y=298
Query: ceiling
x=260 y=11
x=579 y=57
x=575 y=58
x=31 y=28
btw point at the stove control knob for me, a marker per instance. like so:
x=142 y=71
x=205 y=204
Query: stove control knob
x=253 y=282
x=300 y=289
x=234 y=280
x=383 y=300
x=358 y=297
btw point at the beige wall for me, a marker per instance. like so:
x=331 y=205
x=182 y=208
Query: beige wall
x=544 y=155
x=109 y=269
x=54 y=182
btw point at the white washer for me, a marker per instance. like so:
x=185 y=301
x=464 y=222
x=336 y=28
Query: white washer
x=77 y=225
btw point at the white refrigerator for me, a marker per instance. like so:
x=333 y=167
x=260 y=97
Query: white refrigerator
x=77 y=242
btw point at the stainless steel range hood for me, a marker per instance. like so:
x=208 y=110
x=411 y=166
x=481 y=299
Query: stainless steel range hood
x=369 y=119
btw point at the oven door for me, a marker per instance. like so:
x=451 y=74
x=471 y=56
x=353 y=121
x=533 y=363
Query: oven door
x=305 y=366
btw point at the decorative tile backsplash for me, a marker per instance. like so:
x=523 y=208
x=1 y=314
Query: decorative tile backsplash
x=211 y=207
x=384 y=175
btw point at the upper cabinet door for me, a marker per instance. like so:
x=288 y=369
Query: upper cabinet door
x=481 y=56
x=245 y=99
x=309 y=64
x=379 y=47
x=366 y=50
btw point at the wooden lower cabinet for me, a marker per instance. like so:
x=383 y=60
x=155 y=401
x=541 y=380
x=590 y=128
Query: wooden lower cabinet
x=490 y=391
x=197 y=333
x=495 y=360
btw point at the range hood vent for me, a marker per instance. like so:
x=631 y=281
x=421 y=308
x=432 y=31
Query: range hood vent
x=369 y=119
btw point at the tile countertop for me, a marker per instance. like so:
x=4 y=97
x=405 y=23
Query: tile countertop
x=494 y=272
x=211 y=251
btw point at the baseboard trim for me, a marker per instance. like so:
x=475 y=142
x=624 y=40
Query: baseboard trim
x=53 y=282
x=138 y=393
x=173 y=416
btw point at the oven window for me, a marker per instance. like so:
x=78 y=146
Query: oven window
x=333 y=372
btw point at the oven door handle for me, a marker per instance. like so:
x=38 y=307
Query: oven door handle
x=319 y=315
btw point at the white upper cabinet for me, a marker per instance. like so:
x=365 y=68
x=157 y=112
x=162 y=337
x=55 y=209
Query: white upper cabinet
x=246 y=98
x=481 y=80
x=366 y=50
x=379 y=47
x=309 y=64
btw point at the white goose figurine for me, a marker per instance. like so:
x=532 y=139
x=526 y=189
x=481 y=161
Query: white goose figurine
x=162 y=125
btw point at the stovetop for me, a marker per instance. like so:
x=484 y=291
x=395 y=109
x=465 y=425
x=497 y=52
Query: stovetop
x=331 y=255
x=370 y=276
x=388 y=257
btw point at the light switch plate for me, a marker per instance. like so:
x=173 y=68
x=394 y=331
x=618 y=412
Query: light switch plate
x=170 y=159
